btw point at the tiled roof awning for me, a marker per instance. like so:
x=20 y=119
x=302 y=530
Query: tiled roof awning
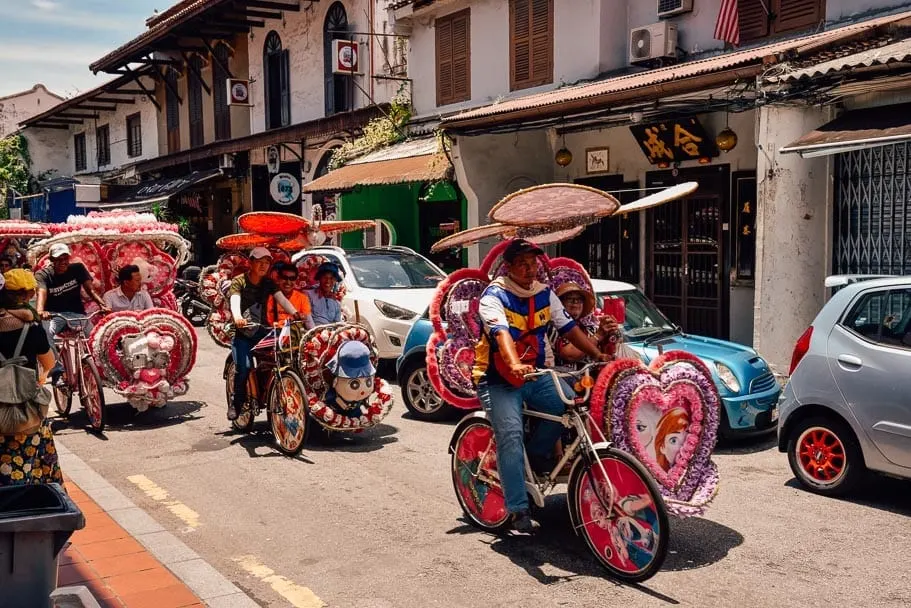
x=856 y=130
x=897 y=52
x=415 y=161
x=682 y=78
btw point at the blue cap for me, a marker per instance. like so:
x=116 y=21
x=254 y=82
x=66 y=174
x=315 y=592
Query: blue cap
x=331 y=268
x=352 y=360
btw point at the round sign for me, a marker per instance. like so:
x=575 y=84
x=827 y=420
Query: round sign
x=285 y=189
x=347 y=57
x=239 y=92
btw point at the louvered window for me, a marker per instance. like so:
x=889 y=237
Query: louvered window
x=531 y=34
x=79 y=151
x=172 y=103
x=103 y=145
x=277 y=70
x=194 y=93
x=453 y=38
x=220 y=92
x=760 y=18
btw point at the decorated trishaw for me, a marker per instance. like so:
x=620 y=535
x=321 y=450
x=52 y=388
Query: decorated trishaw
x=325 y=375
x=145 y=356
x=639 y=437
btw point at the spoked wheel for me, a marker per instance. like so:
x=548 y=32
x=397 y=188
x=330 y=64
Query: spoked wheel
x=623 y=518
x=825 y=456
x=63 y=400
x=420 y=397
x=475 y=477
x=244 y=421
x=288 y=413
x=91 y=395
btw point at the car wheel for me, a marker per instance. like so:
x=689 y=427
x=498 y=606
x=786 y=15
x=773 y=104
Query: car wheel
x=420 y=397
x=825 y=456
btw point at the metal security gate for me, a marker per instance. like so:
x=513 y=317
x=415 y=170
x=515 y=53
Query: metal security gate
x=873 y=211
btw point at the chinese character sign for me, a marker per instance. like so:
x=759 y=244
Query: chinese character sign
x=674 y=141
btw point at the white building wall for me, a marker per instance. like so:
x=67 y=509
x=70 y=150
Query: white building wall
x=21 y=106
x=840 y=10
x=117 y=122
x=302 y=34
x=51 y=151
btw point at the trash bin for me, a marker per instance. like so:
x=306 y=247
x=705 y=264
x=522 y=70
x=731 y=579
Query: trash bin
x=35 y=523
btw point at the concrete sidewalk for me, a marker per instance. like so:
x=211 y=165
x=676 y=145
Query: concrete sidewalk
x=127 y=559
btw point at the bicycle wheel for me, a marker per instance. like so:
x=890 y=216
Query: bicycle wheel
x=626 y=529
x=288 y=413
x=63 y=400
x=91 y=395
x=244 y=420
x=475 y=477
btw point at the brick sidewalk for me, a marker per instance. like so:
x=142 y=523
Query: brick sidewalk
x=115 y=567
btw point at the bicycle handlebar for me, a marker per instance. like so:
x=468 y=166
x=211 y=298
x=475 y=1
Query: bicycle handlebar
x=554 y=374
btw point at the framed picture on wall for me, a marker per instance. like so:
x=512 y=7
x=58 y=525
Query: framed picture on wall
x=597 y=160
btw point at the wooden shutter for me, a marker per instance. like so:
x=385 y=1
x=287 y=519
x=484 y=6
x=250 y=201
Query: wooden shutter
x=285 y=75
x=453 y=58
x=531 y=31
x=795 y=15
x=754 y=19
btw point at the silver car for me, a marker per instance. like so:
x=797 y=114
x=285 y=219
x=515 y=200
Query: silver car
x=847 y=405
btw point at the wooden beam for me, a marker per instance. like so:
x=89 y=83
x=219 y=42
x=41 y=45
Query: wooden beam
x=152 y=61
x=241 y=11
x=193 y=69
x=215 y=58
x=113 y=100
x=213 y=32
x=276 y=6
x=88 y=106
x=124 y=91
x=167 y=83
x=220 y=21
x=69 y=114
x=149 y=94
x=42 y=125
x=63 y=121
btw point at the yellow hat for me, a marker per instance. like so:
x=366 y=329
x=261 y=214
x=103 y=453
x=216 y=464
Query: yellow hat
x=19 y=280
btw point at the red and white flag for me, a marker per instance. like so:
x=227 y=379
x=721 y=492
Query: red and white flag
x=727 y=27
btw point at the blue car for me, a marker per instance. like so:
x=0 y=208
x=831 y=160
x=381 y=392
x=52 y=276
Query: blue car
x=748 y=389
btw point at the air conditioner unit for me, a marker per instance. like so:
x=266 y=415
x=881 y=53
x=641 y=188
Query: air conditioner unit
x=653 y=43
x=669 y=8
x=226 y=161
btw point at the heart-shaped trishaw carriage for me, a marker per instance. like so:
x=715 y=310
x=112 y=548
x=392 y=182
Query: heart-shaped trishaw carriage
x=637 y=441
x=324 y=376
x=143 y=355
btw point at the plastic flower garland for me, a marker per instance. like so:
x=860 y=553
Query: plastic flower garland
x=318 y=346
x=675 y=382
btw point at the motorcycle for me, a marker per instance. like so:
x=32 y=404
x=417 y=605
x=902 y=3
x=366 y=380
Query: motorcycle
x=189 y=302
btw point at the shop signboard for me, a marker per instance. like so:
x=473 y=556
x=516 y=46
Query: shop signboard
x=672 y=141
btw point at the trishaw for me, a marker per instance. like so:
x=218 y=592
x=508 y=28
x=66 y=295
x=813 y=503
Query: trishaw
x=145 y=356
x=623 y=479
x=296 y=376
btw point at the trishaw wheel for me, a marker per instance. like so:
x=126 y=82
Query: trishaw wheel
x=475 y=477
x=288 y=413
x=63 y=400
x=92 y=396
x=244 y=421
x=622 y=518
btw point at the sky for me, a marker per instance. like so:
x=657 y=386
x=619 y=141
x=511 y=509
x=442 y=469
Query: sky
x=54 y=41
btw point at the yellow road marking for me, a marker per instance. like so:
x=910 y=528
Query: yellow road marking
x=294 y=594
x=159 y=494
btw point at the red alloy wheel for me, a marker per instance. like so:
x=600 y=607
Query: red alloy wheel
x=821 y=455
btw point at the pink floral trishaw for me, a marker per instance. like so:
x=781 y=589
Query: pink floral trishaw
x=145 y=356
x=619 y=491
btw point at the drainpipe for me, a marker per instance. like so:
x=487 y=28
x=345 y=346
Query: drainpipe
x=372 y=17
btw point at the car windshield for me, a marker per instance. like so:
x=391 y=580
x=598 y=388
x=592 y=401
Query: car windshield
x=393 y=270
x=643 y=319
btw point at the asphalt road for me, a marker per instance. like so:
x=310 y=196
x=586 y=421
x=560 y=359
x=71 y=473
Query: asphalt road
x=372 y=521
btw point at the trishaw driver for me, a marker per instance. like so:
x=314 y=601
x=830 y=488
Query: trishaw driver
x=516 y=311
x=248 y=295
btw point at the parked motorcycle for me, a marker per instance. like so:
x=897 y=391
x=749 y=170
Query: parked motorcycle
x=189 y=302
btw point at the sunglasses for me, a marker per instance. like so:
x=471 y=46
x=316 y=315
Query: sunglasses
x=574 y=299
x=286 y=277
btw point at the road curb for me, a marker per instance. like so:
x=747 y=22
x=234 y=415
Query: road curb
x=197 y=574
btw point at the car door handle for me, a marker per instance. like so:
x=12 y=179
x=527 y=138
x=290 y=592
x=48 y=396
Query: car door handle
x=850 y=362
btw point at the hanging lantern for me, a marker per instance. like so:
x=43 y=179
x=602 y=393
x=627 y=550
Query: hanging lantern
x=563 y=157
x=726 y=140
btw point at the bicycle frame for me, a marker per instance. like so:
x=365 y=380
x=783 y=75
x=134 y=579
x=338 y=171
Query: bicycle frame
x=73 y=349
x=258 y=389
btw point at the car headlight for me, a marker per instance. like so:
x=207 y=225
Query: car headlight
x=394 y=312
x=727 y=377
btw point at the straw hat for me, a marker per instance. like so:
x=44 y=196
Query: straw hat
x=571 y=287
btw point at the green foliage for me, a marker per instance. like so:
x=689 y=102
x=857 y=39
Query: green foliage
x=378 y=133
x=15 y=165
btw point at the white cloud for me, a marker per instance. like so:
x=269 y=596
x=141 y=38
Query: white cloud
x=126 y=25
x=46 y=5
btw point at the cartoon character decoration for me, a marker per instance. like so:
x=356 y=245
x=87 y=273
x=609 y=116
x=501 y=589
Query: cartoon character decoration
x=145 y=356
x=339 y=366
x=666 y=415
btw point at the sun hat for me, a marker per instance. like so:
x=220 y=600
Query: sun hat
x=19 y=279
x=259 y=253
x=570 y=287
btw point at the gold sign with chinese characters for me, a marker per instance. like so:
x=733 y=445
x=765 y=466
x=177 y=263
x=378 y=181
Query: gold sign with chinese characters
x=674 y=141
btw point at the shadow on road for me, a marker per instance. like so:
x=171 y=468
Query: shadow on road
x=123 y=417
x=260 y=438
x=746 y=445
x=368 y=441
x=696 y=542
x=876 y=491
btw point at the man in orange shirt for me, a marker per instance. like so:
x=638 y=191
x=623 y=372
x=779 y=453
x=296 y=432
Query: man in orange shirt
x=286 y=274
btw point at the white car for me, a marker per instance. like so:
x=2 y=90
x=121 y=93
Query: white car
x=387 y=288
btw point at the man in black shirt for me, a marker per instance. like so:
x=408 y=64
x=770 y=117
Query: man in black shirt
x=60 y=288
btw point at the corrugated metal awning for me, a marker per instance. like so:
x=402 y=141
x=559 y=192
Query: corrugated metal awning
x=411 y=161
x=681 y=78
x=897 y=52
x=856 y=130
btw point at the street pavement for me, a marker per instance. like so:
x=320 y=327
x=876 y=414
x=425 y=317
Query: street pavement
x=371 y=521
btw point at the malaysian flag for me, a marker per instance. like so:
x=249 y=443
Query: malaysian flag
x=727 y=27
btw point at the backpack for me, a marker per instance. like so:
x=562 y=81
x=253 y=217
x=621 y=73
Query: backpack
x=23 y=404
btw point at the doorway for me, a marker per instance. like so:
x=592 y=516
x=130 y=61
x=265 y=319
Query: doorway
x=687 y=245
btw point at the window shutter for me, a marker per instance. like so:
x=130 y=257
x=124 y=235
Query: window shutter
x=754 y=19
x=453 y=57
x=286 y=87
x=531 y=25
x=794 y=15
